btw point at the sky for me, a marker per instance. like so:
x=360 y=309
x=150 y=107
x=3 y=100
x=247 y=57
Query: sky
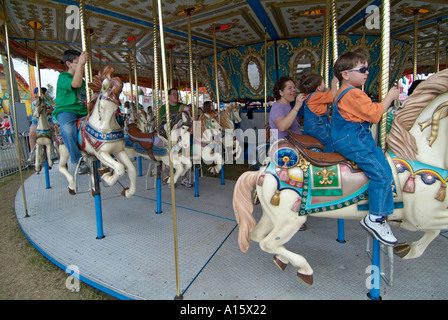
x=47 y=76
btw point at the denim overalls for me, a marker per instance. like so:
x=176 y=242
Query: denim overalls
x=316 y=126
x=355 y=142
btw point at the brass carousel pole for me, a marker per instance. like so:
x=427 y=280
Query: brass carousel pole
x=170 y=52
x=129 y=58
x=265 y=75
x=216 y=71
x=84 y=40
x=335 y=30
x=12 y=101
x=415 y=43
x=36 y=26
x=385 y=52
x=327 y=42
x=197 y=80
x=437 y=58
x=90 y=31
x=134 y=45
x=155 y=91
x=173 y=196
x=190 y=59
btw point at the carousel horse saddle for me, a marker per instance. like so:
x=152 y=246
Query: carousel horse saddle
x=146 y=140
x=319 y=159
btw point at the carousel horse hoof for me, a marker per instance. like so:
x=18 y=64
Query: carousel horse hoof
x=123 y=192
x=280 y=264
x=307 y=278
x=402 y=249
x=71 y=191
x=103 y=170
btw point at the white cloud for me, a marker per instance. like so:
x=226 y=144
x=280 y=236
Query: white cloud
x=47 y=76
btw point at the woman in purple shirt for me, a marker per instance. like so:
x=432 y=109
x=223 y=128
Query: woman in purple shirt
x=282 y=117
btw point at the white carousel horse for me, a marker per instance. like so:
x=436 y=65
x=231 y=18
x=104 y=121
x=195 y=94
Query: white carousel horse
x=210 y=142
x=101 y=135
x=154 y=146
x=287 y=192
x=44 y=135
x=229 y=117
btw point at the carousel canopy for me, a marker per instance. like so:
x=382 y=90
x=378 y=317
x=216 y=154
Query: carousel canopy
x=241 y=27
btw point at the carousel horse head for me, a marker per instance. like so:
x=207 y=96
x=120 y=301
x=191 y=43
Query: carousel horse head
x=180 y=124
x=418 y=132
x=210 y=124
x=39 y=108
x=230 y=116
x=105 y=101
x=142 y=120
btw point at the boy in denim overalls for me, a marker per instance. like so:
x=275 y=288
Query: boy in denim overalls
x=353 y=113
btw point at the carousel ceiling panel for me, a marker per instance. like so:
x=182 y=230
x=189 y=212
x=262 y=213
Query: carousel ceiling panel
x=243 y=22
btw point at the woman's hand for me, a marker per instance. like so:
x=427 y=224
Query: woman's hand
x=299 y=101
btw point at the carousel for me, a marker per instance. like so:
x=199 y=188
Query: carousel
x=145 y=236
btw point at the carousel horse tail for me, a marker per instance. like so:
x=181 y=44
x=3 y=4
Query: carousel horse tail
x=243 y=207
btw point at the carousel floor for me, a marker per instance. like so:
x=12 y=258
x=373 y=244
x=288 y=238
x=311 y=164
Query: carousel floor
x=135 y=259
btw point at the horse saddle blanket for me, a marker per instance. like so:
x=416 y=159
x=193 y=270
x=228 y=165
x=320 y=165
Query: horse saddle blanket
x=87 y=132
x=322 y=188
x=44 y=134
x=149 y=143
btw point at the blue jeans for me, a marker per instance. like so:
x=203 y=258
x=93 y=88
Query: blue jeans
x=69 y=134
x=355 y=142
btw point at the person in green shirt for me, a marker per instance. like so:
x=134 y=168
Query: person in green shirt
x=173 y=101
x=70 y=102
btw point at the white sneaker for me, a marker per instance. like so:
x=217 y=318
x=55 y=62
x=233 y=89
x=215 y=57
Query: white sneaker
x=185 y=183
x=380 y=230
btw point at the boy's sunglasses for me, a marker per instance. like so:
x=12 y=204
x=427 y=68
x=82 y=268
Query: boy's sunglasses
x=362 y=69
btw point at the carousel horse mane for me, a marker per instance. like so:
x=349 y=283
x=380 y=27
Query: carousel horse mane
x=203 y=119
x=226 y=118
x=400 y=141
x=174 y=119
x=116 y=86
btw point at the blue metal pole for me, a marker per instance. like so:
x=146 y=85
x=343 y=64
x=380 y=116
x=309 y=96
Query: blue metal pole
x=374 y=293
x=47 y=175
x=341 y=231
x=99 y=217
x=98 y=205
x=159 y=189
x=222 y=175
x=139 y=166
x=196 y=181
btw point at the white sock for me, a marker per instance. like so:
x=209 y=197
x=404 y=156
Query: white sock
x=373 y=217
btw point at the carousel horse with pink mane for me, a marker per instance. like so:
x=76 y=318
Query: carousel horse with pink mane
x=298 y=182
x=100 y=135
x=44 y=135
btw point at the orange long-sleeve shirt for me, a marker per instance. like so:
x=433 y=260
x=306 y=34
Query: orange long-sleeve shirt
x=319 y=101
x=356 y=106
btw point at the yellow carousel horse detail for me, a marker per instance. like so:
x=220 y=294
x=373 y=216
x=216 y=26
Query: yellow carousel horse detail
x=288 y=190
x=101 y=135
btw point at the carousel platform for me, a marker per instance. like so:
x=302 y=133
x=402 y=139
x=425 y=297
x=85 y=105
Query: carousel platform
x=135 y=259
